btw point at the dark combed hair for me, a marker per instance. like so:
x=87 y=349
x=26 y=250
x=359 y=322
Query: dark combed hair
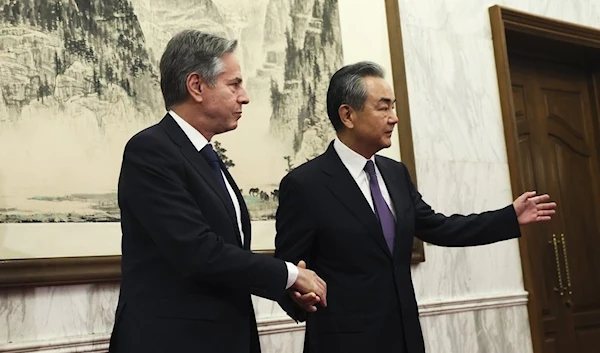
x=347 y=87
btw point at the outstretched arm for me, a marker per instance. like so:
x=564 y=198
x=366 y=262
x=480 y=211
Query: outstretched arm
x=477 y=229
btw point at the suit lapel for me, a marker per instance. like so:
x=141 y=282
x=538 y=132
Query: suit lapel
x=243 y=209
x=344 y=188
x=200 y=165
x=392 y=183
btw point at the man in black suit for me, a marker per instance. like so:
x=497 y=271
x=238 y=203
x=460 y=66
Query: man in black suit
x=352 y=216
x=187 y=268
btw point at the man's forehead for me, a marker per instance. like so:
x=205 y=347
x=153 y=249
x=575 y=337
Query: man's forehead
x=380 y=90
x=229 y=73
x=232 y=69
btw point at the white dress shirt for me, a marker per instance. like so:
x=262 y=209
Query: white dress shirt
x=199 y=141
x=355 y=163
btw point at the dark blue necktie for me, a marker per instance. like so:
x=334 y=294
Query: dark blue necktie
x=215 y=164
x=382 y=210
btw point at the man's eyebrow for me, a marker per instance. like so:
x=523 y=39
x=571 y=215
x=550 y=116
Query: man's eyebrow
x=387 y=100
x=236 y=79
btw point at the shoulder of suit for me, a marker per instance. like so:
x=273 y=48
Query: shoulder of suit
x=150 y=136
x=389 y=161
x=306 y=170
x=144 y=133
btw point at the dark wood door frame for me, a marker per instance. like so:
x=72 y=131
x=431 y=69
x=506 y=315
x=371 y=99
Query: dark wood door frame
x=578 y=44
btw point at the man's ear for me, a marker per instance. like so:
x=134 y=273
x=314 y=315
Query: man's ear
x=347 y=115
x=195 y=86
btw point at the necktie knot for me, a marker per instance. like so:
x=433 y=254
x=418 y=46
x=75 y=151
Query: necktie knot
x=370 y=168
x=209 y=153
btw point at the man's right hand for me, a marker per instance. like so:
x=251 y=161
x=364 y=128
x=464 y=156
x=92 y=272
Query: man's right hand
x=309 y=282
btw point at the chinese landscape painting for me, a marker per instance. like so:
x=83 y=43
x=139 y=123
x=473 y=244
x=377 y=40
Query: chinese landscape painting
x=79 y=77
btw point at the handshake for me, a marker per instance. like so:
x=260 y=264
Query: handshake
x=309 y=289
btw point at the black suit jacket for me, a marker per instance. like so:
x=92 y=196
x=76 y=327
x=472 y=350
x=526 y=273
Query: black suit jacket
x=324 y=219
x=186 y=280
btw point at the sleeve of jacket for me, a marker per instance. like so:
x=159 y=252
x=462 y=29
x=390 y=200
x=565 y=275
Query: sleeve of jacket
x=152 y=186
x=295 y=235
x=460 y=230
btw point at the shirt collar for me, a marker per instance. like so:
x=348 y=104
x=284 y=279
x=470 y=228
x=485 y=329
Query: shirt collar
x=197 y=139
x=354 y=162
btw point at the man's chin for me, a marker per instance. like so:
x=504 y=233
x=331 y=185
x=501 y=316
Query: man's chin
x=228 y=128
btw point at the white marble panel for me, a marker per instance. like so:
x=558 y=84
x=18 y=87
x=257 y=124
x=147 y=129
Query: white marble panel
x=471 y=17
x=456 y=272
x=499 y=330
x=265 y=308
x=286 y=342
x=54 y=312
x=103 y=300
x=582 y=12
x=453 y=94
x=458 y=16
x=16 y=321
x=464 y=188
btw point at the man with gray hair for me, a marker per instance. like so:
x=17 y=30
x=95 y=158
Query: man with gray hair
x=352 y=216
x=187 y=269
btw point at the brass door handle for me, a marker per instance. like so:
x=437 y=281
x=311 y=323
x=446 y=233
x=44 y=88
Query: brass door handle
x=558 y=270
x=564 y=246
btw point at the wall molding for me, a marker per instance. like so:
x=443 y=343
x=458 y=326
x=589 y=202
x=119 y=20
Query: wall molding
x=453 y=306
x=89 y=344
x=272 y=325
x=278 y=324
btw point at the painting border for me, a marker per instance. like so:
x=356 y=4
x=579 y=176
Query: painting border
x=93 y=269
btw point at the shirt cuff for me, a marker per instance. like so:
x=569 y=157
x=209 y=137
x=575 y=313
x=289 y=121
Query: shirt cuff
x=292 y=274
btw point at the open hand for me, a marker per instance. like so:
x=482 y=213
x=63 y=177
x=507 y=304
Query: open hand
x=531 y=209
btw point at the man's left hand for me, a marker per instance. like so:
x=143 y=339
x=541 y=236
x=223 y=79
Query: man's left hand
x=532 y=209
x=307 y=301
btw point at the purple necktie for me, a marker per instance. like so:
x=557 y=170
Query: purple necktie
x=382 y=210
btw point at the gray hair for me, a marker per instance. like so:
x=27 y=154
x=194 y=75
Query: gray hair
x=191 y=51
x=347 y=87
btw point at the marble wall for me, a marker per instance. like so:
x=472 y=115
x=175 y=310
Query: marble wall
x=79 y=319
x=60 y=316
x=471 y=299
x=497 y=330
x=461 y=160
x=458 y=131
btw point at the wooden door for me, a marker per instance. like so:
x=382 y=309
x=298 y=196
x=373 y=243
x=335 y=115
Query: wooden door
x=557 y=125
